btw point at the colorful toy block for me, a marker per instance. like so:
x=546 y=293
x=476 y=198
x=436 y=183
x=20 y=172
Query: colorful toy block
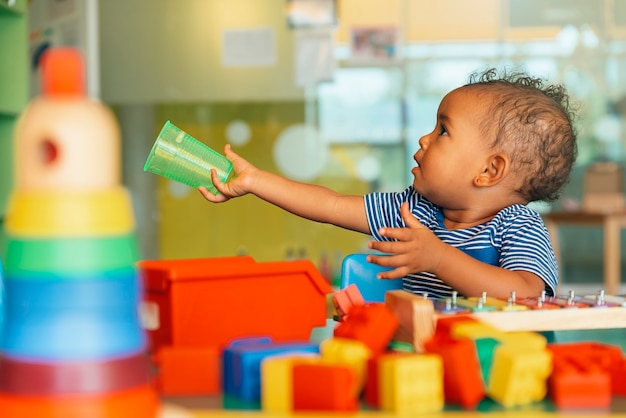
x=372 y=324
x=242 y=364
x=445 y=324
x=208 y=302
x=371 y=393
x=347 y=352
x=277 y=381
x=577 y=383
x=325 y=387
x=416 y=316
x=345 y=299
x=584 y=374
x=618 y=378
x=518 y=375
x=188 y=370
x=485 y=348
x=475 y=330
x=411 y=384
x=604 y=355
x=462 y=380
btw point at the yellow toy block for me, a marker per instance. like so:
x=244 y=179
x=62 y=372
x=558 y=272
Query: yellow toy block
x=476 y=330
x=518 y=375
x=348 y=352
x=276 y=381
x=411 y=384
x=528 y=339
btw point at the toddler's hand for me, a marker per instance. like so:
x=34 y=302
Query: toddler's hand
x=237 y=186
x=413 y=250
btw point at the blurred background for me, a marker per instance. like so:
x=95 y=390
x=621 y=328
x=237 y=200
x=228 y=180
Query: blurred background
x=335 y=93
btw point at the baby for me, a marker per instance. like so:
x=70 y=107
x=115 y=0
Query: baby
x=500 y=142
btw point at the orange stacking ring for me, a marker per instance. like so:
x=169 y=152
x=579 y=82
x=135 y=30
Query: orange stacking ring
x=139 y=402
x=29 y=378
x=56 y=214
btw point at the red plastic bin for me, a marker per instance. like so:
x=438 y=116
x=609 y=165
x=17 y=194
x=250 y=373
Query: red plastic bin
x=209 y=302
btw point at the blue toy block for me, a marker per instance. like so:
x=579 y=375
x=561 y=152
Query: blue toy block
x=241 y=364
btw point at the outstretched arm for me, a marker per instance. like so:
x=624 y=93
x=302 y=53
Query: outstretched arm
x=416 y=248
x=309 y=201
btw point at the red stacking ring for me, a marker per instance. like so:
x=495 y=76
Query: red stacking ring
x=30 y=378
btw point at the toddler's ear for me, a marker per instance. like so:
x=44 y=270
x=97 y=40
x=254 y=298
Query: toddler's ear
x=495 y=168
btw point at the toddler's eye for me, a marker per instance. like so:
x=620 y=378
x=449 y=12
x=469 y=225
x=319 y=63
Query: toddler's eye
x=443 y=130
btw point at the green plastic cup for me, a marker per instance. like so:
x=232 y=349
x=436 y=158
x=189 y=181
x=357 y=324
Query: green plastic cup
x=178 y=156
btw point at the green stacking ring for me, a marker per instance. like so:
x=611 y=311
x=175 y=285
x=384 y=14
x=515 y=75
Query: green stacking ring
x=70 y=255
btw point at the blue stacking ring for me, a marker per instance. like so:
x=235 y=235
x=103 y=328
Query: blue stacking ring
x=55 y=334
x=95 y=291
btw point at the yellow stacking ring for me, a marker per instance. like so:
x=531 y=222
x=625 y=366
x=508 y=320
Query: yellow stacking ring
x=69 y=213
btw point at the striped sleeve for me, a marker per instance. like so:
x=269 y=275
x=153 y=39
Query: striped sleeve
x=383 y=210
x=526 y=246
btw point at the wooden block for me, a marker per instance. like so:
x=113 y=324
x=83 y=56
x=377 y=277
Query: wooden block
x=416 y=316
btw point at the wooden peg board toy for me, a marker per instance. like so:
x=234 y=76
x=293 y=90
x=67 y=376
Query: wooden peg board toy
x=546 y=313
x=418 y=316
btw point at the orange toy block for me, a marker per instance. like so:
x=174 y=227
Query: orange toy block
x=618 y=378
x=188 y=370
x=371 y=393
x=209 y=302
x=416 y=316
x=324 y=387
x=462 y=379
x=372 y=324
x=575 y=383
x=584 y=374
x=345 y=299
x=445 y=325
x=604 y=355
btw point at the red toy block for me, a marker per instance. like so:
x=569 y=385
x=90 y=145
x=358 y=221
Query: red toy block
x=604 y=355
x=580 y=376
x=324 y=387
x=445 y=324
x=576 y=383
x=345 y=299
x=618 y=378
x=371 y=393
x=373 y=324
x=211 y=301
x=462 y=378
x=188 y=370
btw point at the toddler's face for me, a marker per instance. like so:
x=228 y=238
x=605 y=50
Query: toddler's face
x=451 y=156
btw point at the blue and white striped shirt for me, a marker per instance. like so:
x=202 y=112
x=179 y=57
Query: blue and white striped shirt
x=515 y=239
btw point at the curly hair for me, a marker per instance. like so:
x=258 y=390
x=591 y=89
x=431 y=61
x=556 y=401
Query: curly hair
x=534 y=124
